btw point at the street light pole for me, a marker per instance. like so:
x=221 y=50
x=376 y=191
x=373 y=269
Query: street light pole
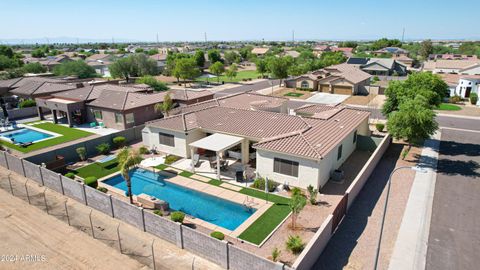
x=389 y=183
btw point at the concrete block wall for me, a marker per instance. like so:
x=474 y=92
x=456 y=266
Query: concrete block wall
x=367 y=170
x=315 y=247
x=163 y=228
x=52 y=180
x=131 y=214
x=207 y=246
x=243 y=260
x=3 y=159
x=32 y=171
x=73 y=189
x=99 y=200
x=14 y=164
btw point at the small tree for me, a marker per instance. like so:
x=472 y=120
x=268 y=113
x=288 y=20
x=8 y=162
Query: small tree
x=77 y=68
x=414 y=121
x=128 y=159
x=217 y=68
x=473 y=98
x=166 y=106
x=82 y=153
x=232 y=71
x=261 y=66
x=186 y=69
x=152 y=82
x=297 y=203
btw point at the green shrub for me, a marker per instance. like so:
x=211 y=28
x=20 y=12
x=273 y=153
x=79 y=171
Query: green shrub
x=102 y=189
x=380 y=127
x=171 y=159
x=295 y=244
x=91 y=181
x=455 y=99
x=218 y=235
x=275 y=254
x=119 y=141
x=473 y=98
x=177 y=216
x=259 y=183
x=313 y=194
x=103 y=148
x=158 y=212
x=70 y=175
x=308 y=89
x=143 y=150
x=82 y=153
x=152 y=82
x=27 y=103
x=375 y=79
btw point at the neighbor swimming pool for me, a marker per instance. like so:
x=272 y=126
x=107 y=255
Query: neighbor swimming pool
x=24 y=135
x=223 y=213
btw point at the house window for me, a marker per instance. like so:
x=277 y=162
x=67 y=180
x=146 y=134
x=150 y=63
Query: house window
x=286 y=167
x=118 y=118
x=97 y=114
x=355 y=137
x=339 y=154
x=304 y=84
x=166 y=139
x=129 y=118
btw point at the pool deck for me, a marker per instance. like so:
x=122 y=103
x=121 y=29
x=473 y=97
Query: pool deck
x=223 y=192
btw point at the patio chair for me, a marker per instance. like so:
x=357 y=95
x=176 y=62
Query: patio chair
x=239 y=176
x=93 y=124
x=101 y=124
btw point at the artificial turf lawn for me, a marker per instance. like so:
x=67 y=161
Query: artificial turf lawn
x=448 y=107
x=97 y=169
x=292 y=94
x=269 y=220
x=246 y=74
x=68 y=134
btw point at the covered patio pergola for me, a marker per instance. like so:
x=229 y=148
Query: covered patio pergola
x=218 y=143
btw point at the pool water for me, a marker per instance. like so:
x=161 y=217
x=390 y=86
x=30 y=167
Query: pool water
x=25 y=135
x=220 y=212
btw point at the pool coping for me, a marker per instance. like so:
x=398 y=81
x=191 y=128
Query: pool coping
x=260 y=205
x=20 y=126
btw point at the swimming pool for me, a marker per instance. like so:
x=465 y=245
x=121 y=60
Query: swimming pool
x=24 y=135
x=223 y=213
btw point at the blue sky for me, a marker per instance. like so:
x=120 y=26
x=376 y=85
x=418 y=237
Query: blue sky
x=182 y=20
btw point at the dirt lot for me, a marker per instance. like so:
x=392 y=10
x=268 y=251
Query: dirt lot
x=359 y=100
x=28 y=230
x=282 y=91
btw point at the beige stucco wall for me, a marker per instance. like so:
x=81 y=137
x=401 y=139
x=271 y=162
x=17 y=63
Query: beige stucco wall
x=151 y=139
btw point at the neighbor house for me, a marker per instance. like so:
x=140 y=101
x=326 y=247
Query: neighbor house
x=462 y=85
x=297 y=150
x=378 y=66
x=451 y=56
x=49 y=62
x=394 y=51
x=161 y=59
x=339 y=79
x=466 y=67
x=260 y=51
x=115 y=106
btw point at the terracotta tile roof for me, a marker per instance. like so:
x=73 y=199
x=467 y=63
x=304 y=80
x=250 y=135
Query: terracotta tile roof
x=260 y=50
x=189 y=95
x=159 y=57
x=449 y=64
x=349 y=72
x=311 y=137
x=41 y=88
x=321 y=138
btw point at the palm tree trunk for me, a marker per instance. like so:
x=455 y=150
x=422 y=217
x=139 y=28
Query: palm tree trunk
x=129 y=187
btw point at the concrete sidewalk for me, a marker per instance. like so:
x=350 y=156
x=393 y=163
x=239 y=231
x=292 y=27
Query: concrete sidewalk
x=410 y=249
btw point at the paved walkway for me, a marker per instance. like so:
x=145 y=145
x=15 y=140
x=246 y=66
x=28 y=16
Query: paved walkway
x=411 y=246
x=326 y=98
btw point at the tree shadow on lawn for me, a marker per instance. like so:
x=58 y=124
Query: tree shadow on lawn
x=344 y=241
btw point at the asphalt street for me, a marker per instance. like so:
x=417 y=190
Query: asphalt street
x=454 y=240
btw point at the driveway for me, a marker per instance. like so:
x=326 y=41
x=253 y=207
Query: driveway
x=325 y=98
x=454 y=240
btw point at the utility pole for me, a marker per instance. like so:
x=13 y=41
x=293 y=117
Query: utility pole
x=403 y=35
x=293 y=36
x=157 y=38
x=205 y=36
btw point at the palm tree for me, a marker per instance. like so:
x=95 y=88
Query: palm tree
x=127 y=159
x=165 y=106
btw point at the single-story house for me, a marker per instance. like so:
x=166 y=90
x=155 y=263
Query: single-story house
x=378 y=66
x=451 y=56
x=394 y=51
x=467 y=67
x=49 y=62
x=405 y=60
x=289 y=149
x=260 y=51
x=161 y=59
x=338 y=79
x=118 y=107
